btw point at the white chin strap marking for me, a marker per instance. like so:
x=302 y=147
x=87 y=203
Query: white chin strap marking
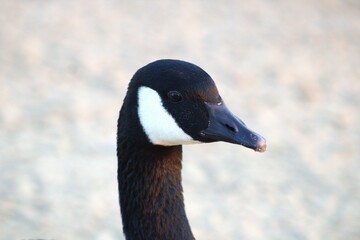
x=158 y=124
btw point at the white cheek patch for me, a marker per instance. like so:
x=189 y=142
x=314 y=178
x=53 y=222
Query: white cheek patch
x=158 y=124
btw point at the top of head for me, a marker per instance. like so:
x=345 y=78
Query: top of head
x=166 y=75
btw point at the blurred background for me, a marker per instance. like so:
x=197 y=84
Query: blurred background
x=289 y=69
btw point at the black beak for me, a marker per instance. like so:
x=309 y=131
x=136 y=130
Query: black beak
x=225 y=126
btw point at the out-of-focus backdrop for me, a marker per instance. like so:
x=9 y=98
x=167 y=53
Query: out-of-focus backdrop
x=289 y=69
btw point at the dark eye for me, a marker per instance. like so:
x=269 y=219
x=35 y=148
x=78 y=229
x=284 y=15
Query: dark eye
x=175 y=96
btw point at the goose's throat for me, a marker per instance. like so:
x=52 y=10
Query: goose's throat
x=151 y=194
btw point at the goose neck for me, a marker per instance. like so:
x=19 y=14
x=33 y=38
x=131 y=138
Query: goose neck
x=151 y=198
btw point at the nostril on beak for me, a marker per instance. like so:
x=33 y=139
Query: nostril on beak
x=232 y=128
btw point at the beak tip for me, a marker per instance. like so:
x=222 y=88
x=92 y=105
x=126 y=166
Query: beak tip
x=261 y=147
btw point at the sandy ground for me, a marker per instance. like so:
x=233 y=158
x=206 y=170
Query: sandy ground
x=289 y=69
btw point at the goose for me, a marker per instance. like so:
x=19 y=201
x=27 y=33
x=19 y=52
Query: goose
x=168 y=103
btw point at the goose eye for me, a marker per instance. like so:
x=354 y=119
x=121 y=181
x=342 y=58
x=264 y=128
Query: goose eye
x=175 y=96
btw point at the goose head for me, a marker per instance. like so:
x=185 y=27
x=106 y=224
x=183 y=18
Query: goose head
x=173 y=102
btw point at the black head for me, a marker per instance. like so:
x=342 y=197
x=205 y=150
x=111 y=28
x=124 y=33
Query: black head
x=172 y=102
